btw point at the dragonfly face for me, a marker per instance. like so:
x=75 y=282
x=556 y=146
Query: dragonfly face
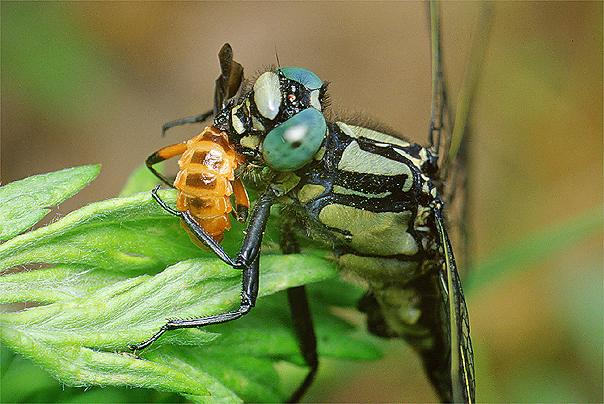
x=368 y=195
x=278 y=123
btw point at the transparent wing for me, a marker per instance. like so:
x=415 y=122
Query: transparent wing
x=453 y=138
x=455 y=191
x=462 y=355
x=452 y=147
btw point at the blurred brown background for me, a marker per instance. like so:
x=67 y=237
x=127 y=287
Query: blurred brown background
x=93 y=82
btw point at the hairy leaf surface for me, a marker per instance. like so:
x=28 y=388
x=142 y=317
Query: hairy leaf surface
x=25 y=202
x=106 y=285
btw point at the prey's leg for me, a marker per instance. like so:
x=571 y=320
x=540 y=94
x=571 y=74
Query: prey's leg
x=162 y=154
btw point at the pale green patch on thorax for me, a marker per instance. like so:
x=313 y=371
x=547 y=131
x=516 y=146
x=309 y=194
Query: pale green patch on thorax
x=309 y=192
x=356 y=160
x=373 y=233
x=256 y=124
x=358 y=131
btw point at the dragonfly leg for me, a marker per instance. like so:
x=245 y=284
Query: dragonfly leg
x=249 y=293
x=163 y=204
x=307 y=340
x=300 y=313
x=247 y=260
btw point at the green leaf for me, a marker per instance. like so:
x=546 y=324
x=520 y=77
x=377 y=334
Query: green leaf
x=50 y=285
x=141 y=180
x=66 y=337
x=198 y=287
x=95 y=307
x=25 y=202
x=16 y=387
x=23 y=381
x=129 y=235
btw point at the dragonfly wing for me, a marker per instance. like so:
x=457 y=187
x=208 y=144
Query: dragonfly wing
x=462 y=355
x=455 y=195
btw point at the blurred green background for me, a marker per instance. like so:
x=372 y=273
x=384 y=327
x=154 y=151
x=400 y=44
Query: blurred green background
x=93 y=82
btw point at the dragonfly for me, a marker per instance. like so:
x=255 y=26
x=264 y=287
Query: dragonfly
x=377 y=200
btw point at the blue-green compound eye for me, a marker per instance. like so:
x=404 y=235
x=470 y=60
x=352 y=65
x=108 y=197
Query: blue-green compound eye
x=302 y=76
x=293 y=144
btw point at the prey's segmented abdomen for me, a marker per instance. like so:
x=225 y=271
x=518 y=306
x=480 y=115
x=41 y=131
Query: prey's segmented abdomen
x=204 y=182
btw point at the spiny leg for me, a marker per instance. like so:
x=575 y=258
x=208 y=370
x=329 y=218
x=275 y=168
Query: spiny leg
x=186 y=120
x=163 y=204
x=300 y=313
x=249 y=292
x=162 y=154
x=199 y=232
x=247 y=259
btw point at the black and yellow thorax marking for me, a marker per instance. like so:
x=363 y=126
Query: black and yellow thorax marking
x=369 y=193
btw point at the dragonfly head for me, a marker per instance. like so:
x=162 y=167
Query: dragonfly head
x=279 y=123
